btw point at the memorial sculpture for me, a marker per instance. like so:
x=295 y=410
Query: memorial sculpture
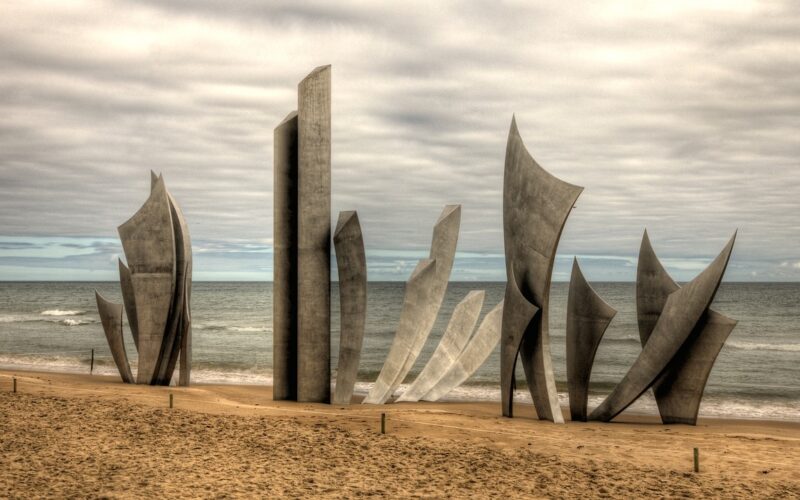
x=535 y=208
x=679 y=389
x=588 y=316
x=480 y=346
x=111 y=319
x=423 y=297
x=680 y=335
x=351 y=263
x=302 y=233
x=156 y=292
x=455 y=338
x=680 y=346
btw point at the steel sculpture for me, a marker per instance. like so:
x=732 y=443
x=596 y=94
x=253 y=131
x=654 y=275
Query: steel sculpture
x=588 y=316
x=535 y=208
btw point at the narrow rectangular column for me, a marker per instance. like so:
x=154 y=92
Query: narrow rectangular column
x=284 y=285
x=314 y=235
x=185 y=377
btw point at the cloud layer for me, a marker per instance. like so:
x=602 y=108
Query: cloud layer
x=680 y=119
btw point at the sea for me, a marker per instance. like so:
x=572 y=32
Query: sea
x=54 y=326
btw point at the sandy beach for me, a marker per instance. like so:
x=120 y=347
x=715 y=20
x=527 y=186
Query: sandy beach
x=68 y=435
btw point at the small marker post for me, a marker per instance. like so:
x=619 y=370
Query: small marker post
x=15 y=384
x=383 y=423
x=697 y=460
x=170 y=400
x=91 y=363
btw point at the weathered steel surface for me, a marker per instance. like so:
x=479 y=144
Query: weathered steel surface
x=149 y=244
x=129 y=300
x=314 y=237
x=588 y=316
x=416 y=302
x=455 y=338
x=171 y=346
x=423 y=298
x=682 y=311
x=111 y=318
x=480 y=346
x=284 y=286
x=653 y=286
x=535 y=208
x=185 y=376
x=517 y=315
x=351 y=262
x=679 y=390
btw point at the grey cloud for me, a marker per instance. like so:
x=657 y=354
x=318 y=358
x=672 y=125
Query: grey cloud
x=679 y=119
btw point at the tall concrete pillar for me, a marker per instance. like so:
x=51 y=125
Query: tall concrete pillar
x=284 y=285
x=314 y=237
x=185 y=377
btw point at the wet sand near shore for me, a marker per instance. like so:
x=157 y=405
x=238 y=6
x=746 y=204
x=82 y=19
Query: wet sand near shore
x=68 y=435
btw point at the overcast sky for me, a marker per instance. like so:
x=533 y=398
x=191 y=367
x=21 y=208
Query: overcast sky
x=681 y=119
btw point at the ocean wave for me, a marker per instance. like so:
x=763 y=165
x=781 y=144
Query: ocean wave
x=210 y=327
x=60 y=312
x=734 y=401
x=216 y=327
x=625 y=339
x=751 y=346
x=17 y=318
x=60 y=319
x=247 y=377
x=46 y=361
x=248 y=329
x=75 y=322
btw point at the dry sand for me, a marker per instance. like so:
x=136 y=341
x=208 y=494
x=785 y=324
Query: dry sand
x=82 y=436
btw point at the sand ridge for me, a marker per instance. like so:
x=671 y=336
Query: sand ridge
x=77 y=435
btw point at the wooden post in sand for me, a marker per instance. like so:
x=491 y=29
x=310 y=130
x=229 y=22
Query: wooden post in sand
x=91 y=363
x=697 y=460
x=170 y=400
x=383 y=423
x=15 y=384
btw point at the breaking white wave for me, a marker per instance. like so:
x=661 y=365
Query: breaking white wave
x=208 y=326
x=711 y=406
x=72 y=362
x=16 y=318
x=243 y=377
x=752 y=346
x=60 y=312
x=75 y=322
x=239 y=329
x=248 y=329
x=51 y=317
